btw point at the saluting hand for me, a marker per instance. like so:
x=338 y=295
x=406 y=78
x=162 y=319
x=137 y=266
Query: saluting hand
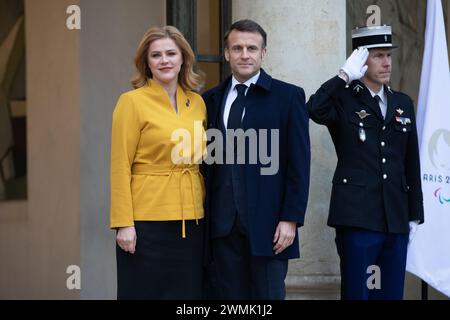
x=355 y=67
x=126 y=239
x=284 y=235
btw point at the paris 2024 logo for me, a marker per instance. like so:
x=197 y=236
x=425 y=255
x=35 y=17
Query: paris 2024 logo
x=439 y=155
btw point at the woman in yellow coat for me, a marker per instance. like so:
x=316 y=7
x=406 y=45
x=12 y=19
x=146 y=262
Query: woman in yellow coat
x=157 y=191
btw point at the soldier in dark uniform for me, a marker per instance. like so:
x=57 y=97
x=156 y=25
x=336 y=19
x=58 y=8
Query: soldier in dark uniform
x=376 y=196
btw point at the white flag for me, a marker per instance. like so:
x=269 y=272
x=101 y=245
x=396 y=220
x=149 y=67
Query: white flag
x=429 y=249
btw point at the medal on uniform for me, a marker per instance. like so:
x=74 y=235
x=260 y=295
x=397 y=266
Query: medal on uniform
x=403 y=120
x=362 y=114
x=362 y=134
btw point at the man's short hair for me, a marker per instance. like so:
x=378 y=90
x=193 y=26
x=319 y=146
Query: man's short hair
x=246 y=25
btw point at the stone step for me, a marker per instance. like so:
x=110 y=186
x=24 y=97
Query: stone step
x=313 y=287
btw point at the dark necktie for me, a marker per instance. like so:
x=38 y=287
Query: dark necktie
x=237 y=107
x=377 y=100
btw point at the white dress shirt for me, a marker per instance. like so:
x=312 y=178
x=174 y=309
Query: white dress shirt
x=232 y=95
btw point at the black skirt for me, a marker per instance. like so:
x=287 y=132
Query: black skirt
x=164 y=266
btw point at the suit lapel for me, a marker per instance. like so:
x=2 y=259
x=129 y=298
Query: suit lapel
x=219 y=97
x=263 y=84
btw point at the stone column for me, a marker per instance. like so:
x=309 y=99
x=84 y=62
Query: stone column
x=307 y=46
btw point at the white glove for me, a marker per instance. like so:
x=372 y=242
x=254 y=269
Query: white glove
x=412 y=229
x=355 y=67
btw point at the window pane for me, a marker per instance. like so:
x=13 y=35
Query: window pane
x=208 y=31
x=13 y=157
x=211 y=72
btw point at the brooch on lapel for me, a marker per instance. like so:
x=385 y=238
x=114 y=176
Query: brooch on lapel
x=403 y=120
x=362 y=114
x=400 y=111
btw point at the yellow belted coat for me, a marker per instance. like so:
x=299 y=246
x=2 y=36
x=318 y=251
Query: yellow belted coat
x=155 y=153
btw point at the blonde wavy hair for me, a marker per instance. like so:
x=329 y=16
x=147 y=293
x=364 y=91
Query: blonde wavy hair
x=187 y=78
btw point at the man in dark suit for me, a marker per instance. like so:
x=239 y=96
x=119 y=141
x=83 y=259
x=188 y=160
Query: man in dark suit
x=376 y=196
x=253 y=209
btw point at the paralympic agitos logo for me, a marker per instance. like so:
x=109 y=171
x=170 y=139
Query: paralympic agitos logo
x=439 y=155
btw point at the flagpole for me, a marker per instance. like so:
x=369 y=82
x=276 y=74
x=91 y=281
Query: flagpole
x=424 y=290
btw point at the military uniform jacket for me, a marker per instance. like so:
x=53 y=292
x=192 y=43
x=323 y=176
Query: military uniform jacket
x=376 y=185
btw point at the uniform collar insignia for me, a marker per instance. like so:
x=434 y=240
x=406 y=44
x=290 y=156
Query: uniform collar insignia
x=358 y=88
x=362 y=114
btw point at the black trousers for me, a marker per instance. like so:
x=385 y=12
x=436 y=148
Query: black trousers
x=165 y=266
x=237 y=275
